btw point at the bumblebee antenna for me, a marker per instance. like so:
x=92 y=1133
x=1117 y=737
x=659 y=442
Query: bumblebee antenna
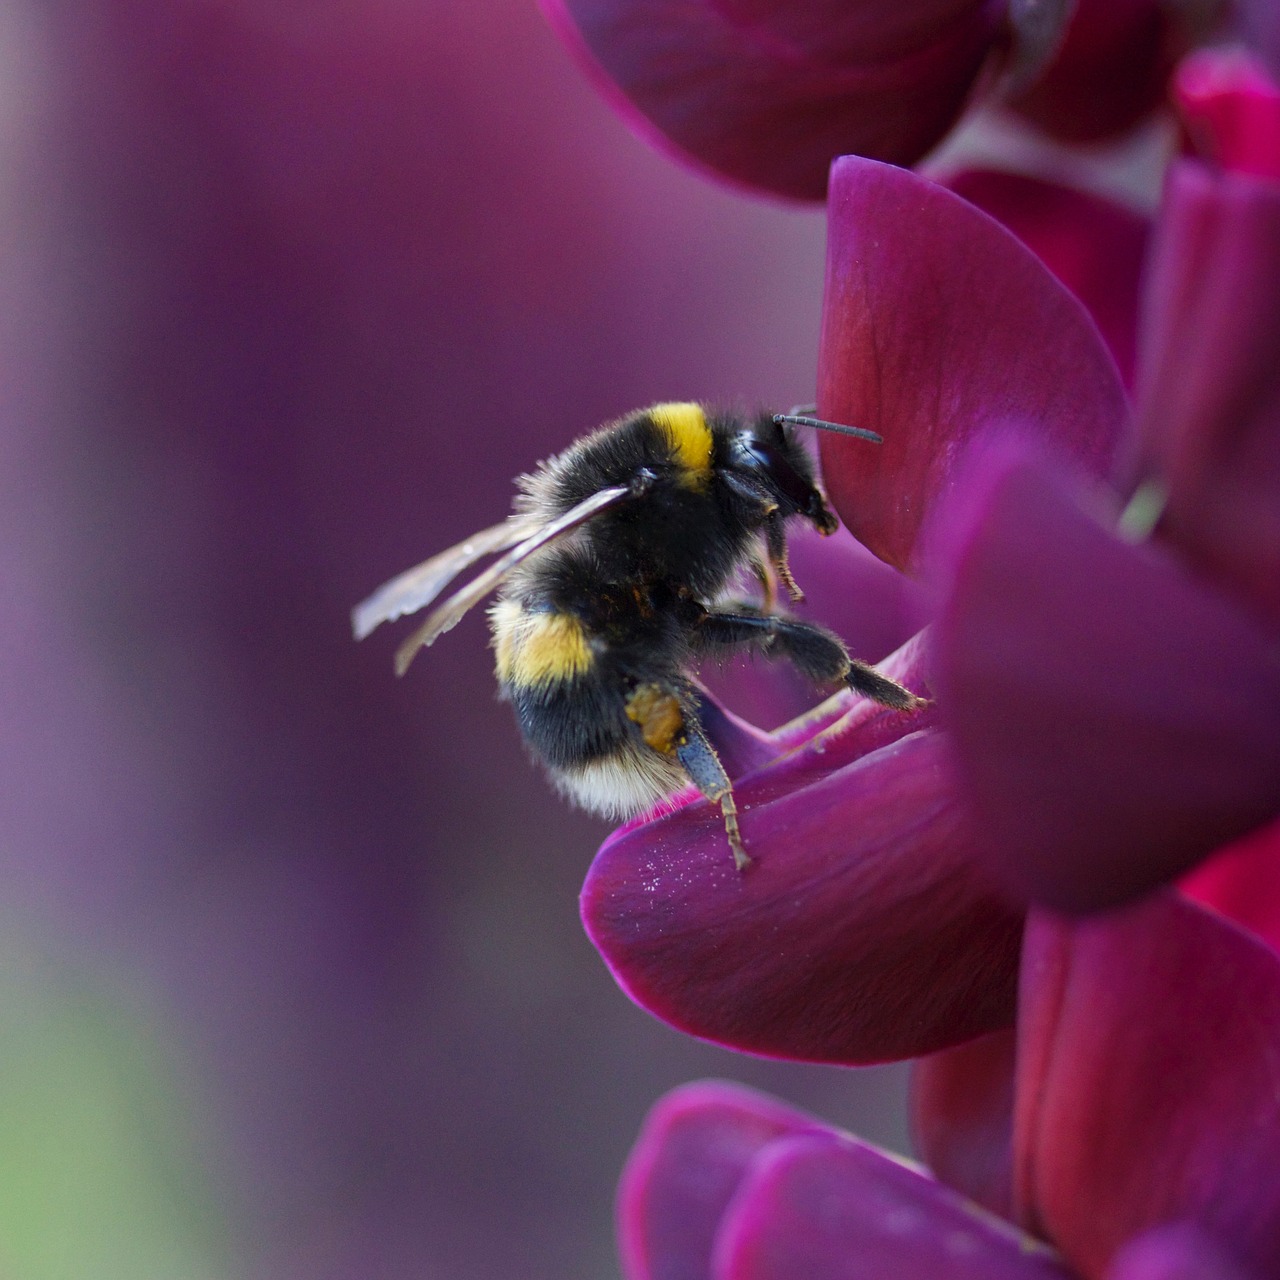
x=803 y=420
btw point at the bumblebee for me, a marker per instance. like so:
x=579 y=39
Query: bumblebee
x=613 y=578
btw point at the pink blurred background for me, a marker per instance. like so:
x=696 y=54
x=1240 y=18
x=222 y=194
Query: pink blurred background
x=290 y=293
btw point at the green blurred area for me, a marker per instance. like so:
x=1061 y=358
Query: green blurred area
x=100 y=1175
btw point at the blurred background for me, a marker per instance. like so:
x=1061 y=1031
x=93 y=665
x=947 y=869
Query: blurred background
x=292 y=982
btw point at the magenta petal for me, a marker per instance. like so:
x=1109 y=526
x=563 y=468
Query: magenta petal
x=767 y=94
x=1148 y=1048
x=1242 y=882
x=1109 y=72
x=962 y=1118
x=1114 y=720
x=1230 y=110
x=827 y=1208
x=1094 y=246
x=863 y=931
x=1210 y=401
x=939 y=326
x=695 y=1148
x=1174 y=1253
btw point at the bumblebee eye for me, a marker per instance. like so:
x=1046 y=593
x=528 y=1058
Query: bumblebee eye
x=782 y=476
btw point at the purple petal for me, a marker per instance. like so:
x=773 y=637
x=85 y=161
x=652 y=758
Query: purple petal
x=1209 y=426
x=864 y=930
x=1114 y=720
x=1146 y=1092
x=1174 y=1253
x=962 y=1118
x=938 y=327
x=767 y=94
x=693 y=1151
x=1093 y=246
x=827 y=1208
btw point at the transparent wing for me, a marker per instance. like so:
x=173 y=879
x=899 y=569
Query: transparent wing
x=418 y=587
x=450 y=613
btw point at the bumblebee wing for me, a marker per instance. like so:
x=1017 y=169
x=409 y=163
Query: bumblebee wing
x=450 y=613
x=418 y=587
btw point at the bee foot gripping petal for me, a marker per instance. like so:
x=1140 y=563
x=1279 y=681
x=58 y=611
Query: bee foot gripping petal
x=699 y=760
x=729 y=808
x=865 y=679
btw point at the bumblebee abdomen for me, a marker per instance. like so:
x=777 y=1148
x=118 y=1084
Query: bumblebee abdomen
x=629 y=781
x=538 y=647
x=549 y=670
x=571 y=706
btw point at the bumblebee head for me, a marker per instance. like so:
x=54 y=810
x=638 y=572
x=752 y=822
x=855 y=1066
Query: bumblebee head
x=769 y=456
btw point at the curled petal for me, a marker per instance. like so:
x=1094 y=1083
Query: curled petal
x=1146 y=1094
x=1094 y=246
x=766 y=94
x=864 y=929
x=1114 y=719
x=828 y=1208
x=1209 y=427
x=962 y=1118
x=692 y=1153
x=938 y=327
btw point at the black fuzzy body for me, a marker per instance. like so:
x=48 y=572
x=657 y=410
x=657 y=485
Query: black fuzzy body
x=636 y=585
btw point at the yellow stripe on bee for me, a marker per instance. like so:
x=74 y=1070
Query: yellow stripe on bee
x=685 y=427
x=538 y=648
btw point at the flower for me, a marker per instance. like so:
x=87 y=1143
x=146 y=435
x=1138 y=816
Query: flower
x=868 y=927
x=767 y=95
x=1108 y=715
x=1105 y=753
x=1107 y=1080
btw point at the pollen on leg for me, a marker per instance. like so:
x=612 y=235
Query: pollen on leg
x=657 y=712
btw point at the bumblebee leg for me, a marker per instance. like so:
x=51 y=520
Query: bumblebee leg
x=776 y=541
x=703 y=766
x=670 y=726
x=813 y=651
